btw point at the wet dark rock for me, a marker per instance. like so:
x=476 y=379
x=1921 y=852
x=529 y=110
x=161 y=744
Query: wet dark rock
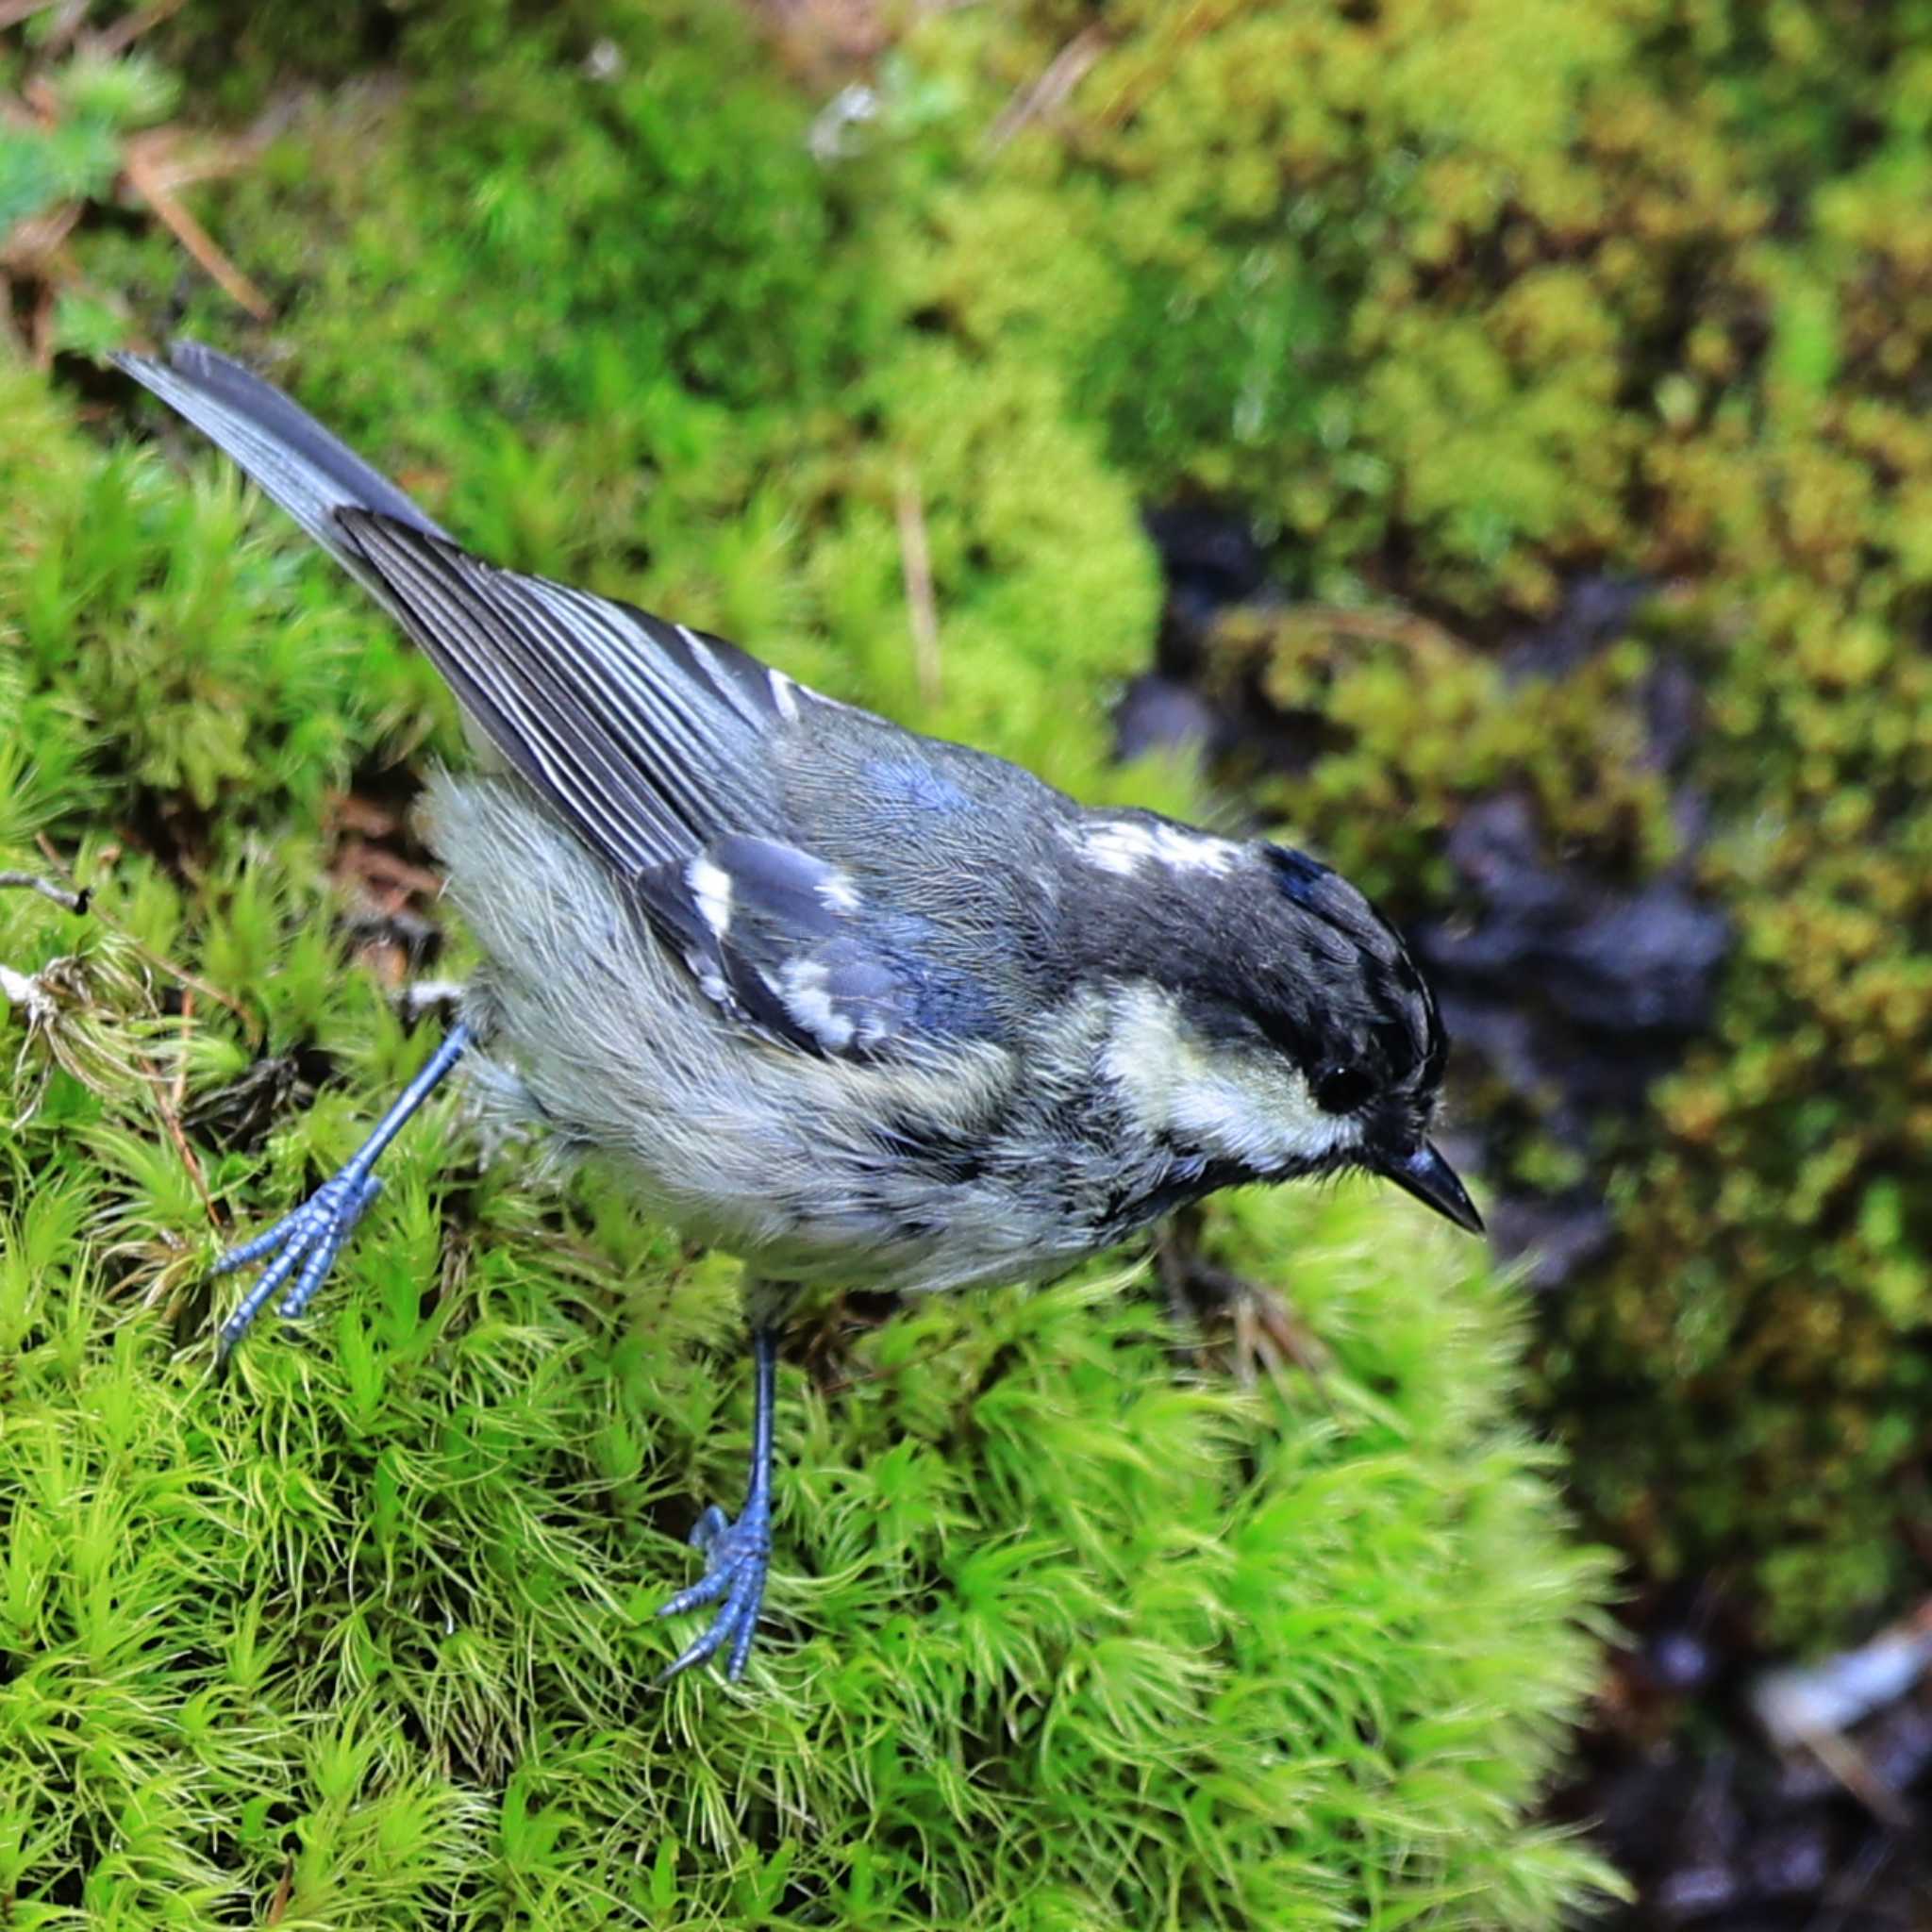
x=1714 y=1821
x=1501 y=1036
x=1719 y=1831
x=1595 y=612
x=1690 y=821
x=1209 y=557
x=1696 y=1891
x=1642 y=964
x=1804 y=1780
x=1211 y=564
x=1496 y=847
x=1573 y=994
x=1792 y=1859
x=1672 y=715
x=1560 y=1234
x=1617 y=962
x=1898 y=1746
x=1680 y=1660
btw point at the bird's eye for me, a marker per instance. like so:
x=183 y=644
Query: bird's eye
x=1341 y=1090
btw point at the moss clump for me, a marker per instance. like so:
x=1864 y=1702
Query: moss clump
x=1060 y=1640
x=1262 y=243
x=1066 y=1634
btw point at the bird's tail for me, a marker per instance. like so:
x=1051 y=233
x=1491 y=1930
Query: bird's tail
x=311 y=474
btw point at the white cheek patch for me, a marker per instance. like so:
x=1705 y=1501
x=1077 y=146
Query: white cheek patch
x=1230 y=1106
x=1125 y=845
x=710 y=886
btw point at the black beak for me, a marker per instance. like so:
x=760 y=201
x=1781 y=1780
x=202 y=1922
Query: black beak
x=1430 y=1178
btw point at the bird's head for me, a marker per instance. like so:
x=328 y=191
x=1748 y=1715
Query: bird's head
x=1271 y=1021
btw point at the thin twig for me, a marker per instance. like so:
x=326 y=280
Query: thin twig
x=921 y=606
x=919 y=1358
x=35 y=244
x=278 y=1900
x=1841 y=1757
x=13 y=11
x=141 y=170
x=173 y=1123
x=180 y=1092
x=33 y=882
x=1199 y=21
x=1418 y=635
x=177 y=164
x=162 y=963
x=1064 y=72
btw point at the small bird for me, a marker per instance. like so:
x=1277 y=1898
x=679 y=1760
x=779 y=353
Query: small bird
x=858 y=1006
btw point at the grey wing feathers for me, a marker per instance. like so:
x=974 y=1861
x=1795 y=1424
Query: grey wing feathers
x=784 y=939
x=304 y=469
x=644 y=735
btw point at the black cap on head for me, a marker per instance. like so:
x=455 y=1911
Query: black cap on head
x=1388 y=1048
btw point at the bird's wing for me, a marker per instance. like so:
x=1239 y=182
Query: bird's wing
x=653 y=742
x=645 y=736
x=794 y=945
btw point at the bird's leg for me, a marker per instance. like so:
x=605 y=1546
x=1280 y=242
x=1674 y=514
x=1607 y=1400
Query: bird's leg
x=304 y=1242
x=739 y=1552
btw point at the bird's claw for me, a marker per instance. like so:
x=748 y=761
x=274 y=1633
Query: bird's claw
x=304 y=1244
x=740 y=1555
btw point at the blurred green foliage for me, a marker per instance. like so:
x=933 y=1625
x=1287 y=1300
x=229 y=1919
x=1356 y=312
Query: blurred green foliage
x=1067 y=1634
x=73 y=151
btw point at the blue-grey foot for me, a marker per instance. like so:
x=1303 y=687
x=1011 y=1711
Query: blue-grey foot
x=304 y=1244
x=301 y=1247
x=739 y=1550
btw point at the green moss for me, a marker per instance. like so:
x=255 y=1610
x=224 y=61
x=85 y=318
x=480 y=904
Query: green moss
x=1249 y=243
x=371 y=1624
x=1064 y=1634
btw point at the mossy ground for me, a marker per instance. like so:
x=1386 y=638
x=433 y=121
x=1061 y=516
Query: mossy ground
x=1066 y=1631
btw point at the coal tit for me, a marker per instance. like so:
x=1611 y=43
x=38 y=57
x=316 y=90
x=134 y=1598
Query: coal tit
x=858 y=1006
